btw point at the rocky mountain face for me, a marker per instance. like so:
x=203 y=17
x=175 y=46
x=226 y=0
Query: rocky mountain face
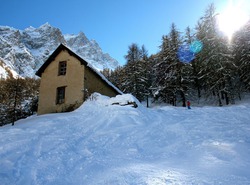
x=22 y=52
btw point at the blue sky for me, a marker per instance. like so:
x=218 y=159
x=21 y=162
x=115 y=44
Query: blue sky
x=114 y=24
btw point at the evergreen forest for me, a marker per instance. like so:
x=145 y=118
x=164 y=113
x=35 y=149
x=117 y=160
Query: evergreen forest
x=201 y=64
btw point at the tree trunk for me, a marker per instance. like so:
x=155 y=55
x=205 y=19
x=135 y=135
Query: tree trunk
x=183 y=99
x=227 y=98
x=219 y=98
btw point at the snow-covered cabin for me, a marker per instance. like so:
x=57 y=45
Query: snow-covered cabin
x=67 y=80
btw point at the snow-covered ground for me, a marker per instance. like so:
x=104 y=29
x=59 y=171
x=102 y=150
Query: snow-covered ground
x=108 y=144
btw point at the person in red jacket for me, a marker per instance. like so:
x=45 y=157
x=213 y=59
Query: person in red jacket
x=188 y=104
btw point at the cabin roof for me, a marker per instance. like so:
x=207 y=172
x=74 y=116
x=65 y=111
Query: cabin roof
x=83 y=62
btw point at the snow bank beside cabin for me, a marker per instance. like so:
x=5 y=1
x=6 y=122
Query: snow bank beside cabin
x=122 y=100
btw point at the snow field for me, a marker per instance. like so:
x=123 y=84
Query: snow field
x=100 y=143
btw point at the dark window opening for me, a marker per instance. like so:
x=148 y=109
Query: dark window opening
x=60 y=98
x=62 y=68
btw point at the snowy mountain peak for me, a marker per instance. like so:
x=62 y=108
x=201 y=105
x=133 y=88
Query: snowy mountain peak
x=46 y=25
x=6 y=29
x=76 y=40
x=31 y=28
x=24 y=51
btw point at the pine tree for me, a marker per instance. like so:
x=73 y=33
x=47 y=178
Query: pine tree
x=135 y=78
x=117 y=77
x=196 y=63
x=131 y=79
x=144 y=74
x=162 y=71
x=215 y=63
x=241 y=53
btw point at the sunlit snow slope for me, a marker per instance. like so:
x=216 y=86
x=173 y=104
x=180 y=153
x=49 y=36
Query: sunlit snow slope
x=106 y=144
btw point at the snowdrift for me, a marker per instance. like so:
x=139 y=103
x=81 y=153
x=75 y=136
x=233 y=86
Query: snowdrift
x=101 y=143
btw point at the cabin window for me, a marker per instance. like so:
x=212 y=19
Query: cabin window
x=62 y=68
x=60 y=96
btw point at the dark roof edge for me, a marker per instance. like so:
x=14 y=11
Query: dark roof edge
x=84 y=62
x=53 y=56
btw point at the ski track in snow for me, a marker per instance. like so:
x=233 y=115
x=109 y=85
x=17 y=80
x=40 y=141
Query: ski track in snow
x=103 y=144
